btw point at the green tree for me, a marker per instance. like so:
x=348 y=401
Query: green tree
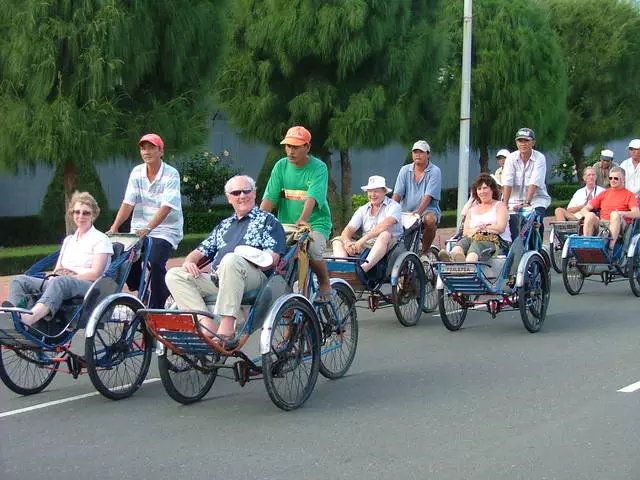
x=518 y=76
x=601 y=41
x=81 y=81
x=349 y=70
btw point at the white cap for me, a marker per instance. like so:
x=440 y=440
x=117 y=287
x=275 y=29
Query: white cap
x=608 y=154
x=375 y=181
x=503 y=153
x=635 y=143
x=421 y=145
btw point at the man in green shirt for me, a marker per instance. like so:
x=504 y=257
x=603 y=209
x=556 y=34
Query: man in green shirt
x=298 y=187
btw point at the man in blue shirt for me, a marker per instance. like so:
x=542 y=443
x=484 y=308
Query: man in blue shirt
x=232 y=274
x=418 y=188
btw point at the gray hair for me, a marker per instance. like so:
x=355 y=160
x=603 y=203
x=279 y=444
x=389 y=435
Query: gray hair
x=618 y=169
x=84 y=198
x=247 y=178
x=587 y=169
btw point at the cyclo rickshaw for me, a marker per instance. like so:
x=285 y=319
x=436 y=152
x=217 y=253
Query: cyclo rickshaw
x=587 y=256
x=400 y=268
x=299 y=337
x=558 y=234
x=519 y=280
x=118 y=348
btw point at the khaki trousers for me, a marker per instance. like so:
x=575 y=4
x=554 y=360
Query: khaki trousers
x=236 y=277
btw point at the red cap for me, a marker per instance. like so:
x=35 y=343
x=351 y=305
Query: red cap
x=153 y=139
x=297 y=136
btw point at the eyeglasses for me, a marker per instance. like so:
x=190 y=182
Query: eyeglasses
x=236 y=193
x=84 y=213
x=614 y=178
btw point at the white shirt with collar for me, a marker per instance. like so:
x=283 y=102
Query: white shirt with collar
x=632 y=176
x=77 y=253
x=519 y=176
x=581 y=197
x=363 y=218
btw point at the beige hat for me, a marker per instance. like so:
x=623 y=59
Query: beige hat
x=375 y=181
x=421 y=145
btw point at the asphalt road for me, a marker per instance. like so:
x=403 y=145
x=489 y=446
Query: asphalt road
x=490 y=401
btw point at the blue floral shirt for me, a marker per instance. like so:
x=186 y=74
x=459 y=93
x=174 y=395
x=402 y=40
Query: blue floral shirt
x=258 y=229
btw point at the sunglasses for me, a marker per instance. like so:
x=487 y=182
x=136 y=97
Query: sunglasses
x=614 y=178
x=236 y=193
x=84 y=213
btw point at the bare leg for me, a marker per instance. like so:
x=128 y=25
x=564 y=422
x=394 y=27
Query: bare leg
x=591 y=223
x=615 y=226
x=379 y=250
x=563 y=215
x=39 y=311
x=319 y=267
x=429 y=232
x=338 y=248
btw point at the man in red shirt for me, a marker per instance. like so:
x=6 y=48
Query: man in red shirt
x=618 y=206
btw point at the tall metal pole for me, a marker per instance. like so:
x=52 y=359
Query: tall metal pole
x=465 y=109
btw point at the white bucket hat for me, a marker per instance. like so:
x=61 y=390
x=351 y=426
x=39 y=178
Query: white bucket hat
x=375 y=181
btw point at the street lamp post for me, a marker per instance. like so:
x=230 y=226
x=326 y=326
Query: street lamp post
x=465 y=109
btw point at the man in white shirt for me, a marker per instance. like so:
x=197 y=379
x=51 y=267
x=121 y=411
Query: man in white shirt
x=581 y=197
x=631 y=167
x=524 y=175
x=381 y=223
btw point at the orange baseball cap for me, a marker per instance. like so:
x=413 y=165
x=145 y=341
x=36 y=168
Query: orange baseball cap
x=153 y=139
x=297 y=136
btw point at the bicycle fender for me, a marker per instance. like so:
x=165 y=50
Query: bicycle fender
x=395 y=271
x=334 y=281
x=633 y=245
x=100 y=309
x=270 y=319
x=521 y=266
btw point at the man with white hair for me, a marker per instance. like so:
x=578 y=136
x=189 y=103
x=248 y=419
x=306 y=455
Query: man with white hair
x=602 y=168
x=618 y=207
x=631 y=167
x=233 y=272
x=582 y=196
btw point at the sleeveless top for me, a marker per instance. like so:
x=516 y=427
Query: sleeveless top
x=488 y=218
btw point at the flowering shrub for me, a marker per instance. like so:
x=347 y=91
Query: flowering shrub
x=566 y=167
x=203 y=176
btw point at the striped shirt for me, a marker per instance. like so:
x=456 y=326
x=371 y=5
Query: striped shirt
x=147 y=198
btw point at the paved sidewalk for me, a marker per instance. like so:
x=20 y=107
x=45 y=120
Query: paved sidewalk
x=441 y=236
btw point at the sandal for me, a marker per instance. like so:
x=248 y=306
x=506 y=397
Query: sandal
x=324 y=297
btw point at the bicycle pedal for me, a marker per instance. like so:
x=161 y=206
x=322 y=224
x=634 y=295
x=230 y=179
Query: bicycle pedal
x=241 y=372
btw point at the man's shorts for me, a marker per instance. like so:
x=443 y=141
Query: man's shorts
x=317 y=245
x=369 y=243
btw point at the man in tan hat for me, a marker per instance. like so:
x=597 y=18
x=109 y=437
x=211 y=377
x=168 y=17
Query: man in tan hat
x=418 y=188
x=603 y=167
x=298 y=187
x=233 y=274
x=381 y=223
x=153 y=196
x=501 y=156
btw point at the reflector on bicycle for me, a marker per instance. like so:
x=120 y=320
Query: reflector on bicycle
x=454 y=269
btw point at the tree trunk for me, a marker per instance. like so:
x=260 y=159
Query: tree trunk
x=70 y=182
x=577 y=153
x=345 y=165
x=484 y=159
x=335 y=202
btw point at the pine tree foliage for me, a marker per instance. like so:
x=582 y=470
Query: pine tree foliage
x=518 y=76
x=82 y=79
x=357 y=73
x=601 y=41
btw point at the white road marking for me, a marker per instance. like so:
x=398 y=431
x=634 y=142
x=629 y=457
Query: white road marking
x=58 y=402
x=630 y=388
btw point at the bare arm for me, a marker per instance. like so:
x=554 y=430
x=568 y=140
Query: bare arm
x=426 y=200
x=384 y=225
x=190 y=263
x=267 y=206
x=396 y=197
x=309 y=203
x=98 y=266
x=157 y=219
x=123 y=213
x=502 y=219
x=506 y=193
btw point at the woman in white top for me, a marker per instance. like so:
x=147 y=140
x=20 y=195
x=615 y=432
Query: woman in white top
x=486 y=226
x=84 y=257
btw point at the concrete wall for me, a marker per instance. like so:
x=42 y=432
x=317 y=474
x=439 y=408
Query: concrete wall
x=22 y=194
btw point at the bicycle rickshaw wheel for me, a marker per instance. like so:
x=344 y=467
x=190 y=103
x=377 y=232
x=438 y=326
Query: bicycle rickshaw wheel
x=556 y=253
x=182 y=379
x=633 y=267
x=452 y=313
x=533 y=296
x=290 y=368
x=119 y=353
x=339 y=342
x=26 y=371
x=572 y=276
x=430 y=293
x=408 y=293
